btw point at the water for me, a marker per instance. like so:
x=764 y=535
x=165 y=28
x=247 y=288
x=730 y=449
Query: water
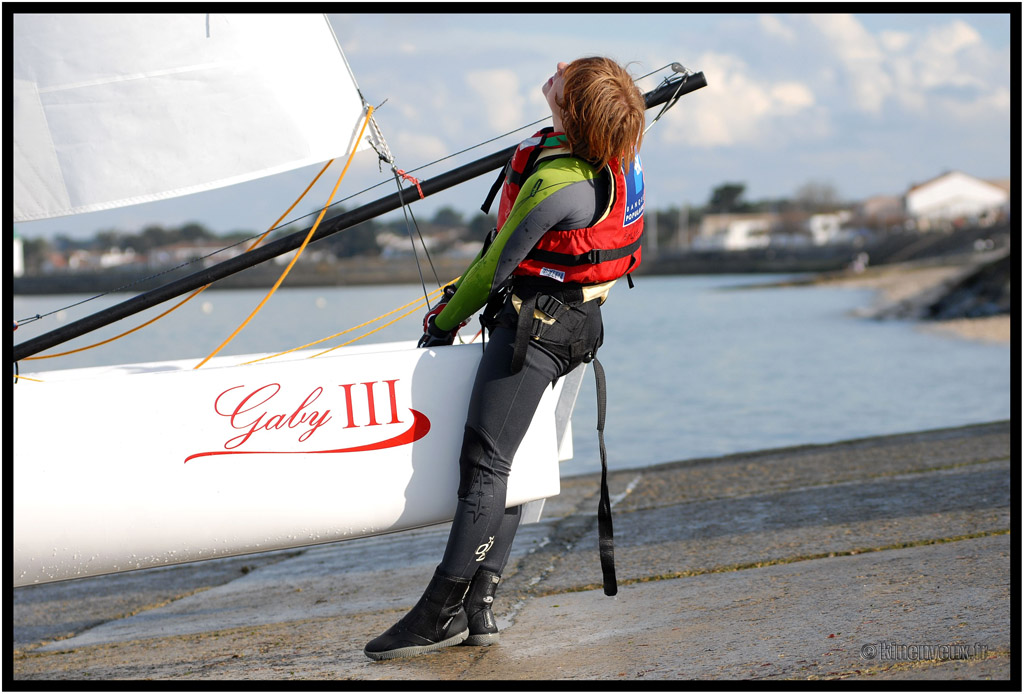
x=695 y=368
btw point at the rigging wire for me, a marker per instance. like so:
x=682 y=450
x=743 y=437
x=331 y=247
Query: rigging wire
x=298 y=253
x=380 y=146
x=418 y=305
x=278 y=224
x=192 y=261
x=193 y=294
x=677 y=68
x=407 y=212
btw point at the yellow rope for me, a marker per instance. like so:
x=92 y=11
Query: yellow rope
x=305 y=242
x=118 y=337
x=356 y=339
x=193 y=294
x=418 y=305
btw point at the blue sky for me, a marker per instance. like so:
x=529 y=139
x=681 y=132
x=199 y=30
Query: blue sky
x=867 y=103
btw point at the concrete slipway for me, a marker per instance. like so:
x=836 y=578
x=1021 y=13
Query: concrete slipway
x=886 y=558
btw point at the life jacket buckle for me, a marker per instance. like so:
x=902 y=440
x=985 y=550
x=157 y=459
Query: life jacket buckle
x=549 y=306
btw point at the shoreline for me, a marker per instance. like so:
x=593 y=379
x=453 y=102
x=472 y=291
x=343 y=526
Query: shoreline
x=903 y=287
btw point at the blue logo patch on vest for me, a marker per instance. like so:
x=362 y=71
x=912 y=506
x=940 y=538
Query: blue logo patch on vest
x=634 y=193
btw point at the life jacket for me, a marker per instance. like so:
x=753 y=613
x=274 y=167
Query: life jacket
x=591 y=255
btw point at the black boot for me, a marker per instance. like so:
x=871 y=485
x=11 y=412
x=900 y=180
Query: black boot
x=483 y=630
x=436 y=621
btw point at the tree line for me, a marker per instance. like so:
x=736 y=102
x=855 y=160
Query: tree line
x=362 y=239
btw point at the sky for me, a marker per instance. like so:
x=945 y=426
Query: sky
x=869 y=104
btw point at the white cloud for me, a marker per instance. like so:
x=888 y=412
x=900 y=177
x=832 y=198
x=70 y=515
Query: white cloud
x=894 y=41
x=740 y=109
x=861 y=56
x=939 y=56
x=411 y=148
x=500 y=96
x=773 y=26
x=790 y=97
x=992 y=107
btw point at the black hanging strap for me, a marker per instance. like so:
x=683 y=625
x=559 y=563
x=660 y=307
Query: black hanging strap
x=495 y=187
x=524 y=331
x=604 y=507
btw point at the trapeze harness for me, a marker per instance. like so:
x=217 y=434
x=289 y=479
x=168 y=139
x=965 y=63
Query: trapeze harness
x=554 y=278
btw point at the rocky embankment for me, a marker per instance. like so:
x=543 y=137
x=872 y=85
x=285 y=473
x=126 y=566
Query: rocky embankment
x=968 y=296
x=984 y=292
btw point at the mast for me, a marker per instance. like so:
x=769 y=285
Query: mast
x=669 y=91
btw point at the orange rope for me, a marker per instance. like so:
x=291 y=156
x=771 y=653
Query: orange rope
x=127 y=332
x=418 y=305
x=305 y=242
x=413 y=179
x=193 y=294
x=356 y=339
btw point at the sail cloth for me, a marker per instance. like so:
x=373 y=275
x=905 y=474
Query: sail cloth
x=119 y=109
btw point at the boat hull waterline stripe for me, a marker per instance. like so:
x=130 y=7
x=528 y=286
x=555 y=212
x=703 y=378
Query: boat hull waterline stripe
x=420 y=428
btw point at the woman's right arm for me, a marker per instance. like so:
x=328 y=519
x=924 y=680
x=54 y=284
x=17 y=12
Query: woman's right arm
x=559 y=194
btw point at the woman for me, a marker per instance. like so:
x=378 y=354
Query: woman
x=570 y=219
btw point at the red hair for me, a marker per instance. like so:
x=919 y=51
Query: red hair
x=602 y=112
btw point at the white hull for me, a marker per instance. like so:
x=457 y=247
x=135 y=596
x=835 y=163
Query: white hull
x=128 y=467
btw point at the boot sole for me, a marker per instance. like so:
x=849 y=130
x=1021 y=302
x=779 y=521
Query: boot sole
x=480 y=640
x=417 y=650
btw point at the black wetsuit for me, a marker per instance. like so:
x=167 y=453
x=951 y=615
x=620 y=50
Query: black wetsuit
x=504 y=401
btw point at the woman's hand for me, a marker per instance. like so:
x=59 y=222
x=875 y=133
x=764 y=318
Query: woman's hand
x=432 y=335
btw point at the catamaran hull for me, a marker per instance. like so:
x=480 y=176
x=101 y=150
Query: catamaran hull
x=129 y=467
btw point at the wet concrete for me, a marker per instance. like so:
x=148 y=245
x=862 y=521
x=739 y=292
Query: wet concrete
x=883 y=558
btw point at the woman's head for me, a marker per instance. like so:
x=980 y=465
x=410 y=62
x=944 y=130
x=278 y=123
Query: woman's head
x=601 y=110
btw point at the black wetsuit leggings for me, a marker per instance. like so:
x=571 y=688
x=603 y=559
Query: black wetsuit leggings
x=501 y=408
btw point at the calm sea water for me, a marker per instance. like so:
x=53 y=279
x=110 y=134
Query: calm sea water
x=695 y=366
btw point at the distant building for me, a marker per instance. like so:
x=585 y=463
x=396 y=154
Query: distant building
x=953 y=196
x=734 y=232
x=182 y=252
x=17 y=256
x=115 y=257
x=828 y=228
x=881 y=212
x=394 y=245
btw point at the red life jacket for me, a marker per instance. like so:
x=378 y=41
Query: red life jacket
x=592 y=255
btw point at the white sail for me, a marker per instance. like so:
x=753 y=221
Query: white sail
x=118 y=109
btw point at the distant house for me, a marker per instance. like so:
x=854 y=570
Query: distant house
x=17 y=257
x=114 y=257
x=735 y=232
x=828 y=228
x=952 y=196
x=187 y=251
x=881 y=212
x=394 y=245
